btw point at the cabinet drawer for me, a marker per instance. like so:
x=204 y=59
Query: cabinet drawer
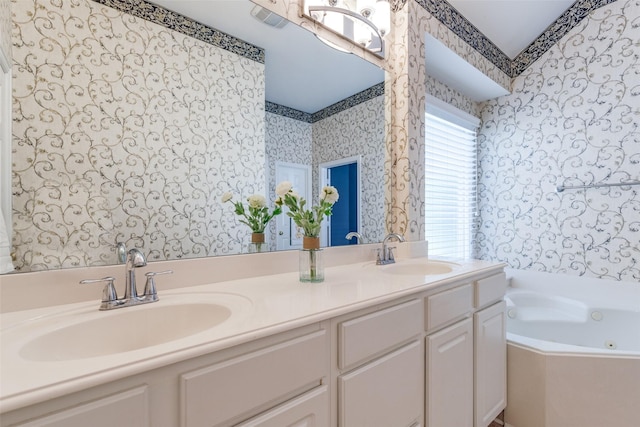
x=248 y=384
x=309 y=410
x=373 y=334
x=128 y=408
x=446 y=307
x=490 y=290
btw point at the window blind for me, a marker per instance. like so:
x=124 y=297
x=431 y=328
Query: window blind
x=450 y=187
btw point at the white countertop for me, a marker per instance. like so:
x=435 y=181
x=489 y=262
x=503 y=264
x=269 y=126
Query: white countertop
x=261 y=306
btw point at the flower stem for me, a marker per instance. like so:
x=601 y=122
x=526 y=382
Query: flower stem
x=312 y=265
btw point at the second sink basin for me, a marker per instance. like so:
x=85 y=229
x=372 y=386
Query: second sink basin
x=94 y=333
x=419 y=267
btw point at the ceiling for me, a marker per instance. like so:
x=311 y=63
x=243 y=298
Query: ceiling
x=511 y=24
x=306 y=75
x=301 y=72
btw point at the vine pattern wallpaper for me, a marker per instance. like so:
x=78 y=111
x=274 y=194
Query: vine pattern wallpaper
x=451 y=96
x=287 y=140
x=125 y=130
x=5 y=26
x=572 y=119
x=358 y=131
x=408 y=89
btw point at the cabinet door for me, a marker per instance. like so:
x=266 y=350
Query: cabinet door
x=490 y=363
x=309 y=410
x=385 y=392
x=449 y=388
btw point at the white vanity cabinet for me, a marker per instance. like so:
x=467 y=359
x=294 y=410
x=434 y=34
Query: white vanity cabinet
x=379 y=367
x=449 y=358
x=433 y=357
x=466 y=354
x=129 y=408
x=490 y=344
x=230 y=391
x=277 y=381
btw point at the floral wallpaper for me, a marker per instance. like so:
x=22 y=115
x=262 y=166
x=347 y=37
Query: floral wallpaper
x=572 y=119
x=287 y=140
x=451 y=96
x=5 y=27
x=565 y=23
x=408 y=88
x=128 y=131
x=357 y=131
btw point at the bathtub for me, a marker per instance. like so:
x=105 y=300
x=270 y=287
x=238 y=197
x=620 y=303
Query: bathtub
x=573 y=353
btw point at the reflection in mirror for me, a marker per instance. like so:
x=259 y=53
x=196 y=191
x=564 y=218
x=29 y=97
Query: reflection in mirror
x=128 y=131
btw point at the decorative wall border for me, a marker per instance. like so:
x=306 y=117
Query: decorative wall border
x=568 y=20
x=292 y=113
x=180 y=23
x=464 y=29
x=358 y=98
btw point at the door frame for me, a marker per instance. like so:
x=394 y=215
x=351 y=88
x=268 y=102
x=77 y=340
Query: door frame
x=323 y=168
x=293 y=245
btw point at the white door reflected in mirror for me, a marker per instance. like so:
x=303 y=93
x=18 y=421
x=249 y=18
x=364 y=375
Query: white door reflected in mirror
x=300 y=177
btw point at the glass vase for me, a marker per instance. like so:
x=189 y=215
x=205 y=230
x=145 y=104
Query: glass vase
x=311 y=263
x=257 y=244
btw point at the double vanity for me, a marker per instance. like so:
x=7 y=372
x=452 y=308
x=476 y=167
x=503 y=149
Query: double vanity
x=414 y=343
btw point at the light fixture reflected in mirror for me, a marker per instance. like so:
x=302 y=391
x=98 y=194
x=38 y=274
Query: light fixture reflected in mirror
x=365 y=22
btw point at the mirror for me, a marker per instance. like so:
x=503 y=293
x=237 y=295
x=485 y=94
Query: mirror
x=136 y=131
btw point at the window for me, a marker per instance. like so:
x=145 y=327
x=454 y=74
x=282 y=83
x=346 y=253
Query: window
x=450 y=180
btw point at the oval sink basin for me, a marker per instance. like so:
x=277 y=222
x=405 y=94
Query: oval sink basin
x=419 y=267
x=125 y=329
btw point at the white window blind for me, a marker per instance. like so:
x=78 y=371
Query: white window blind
x=450 y=185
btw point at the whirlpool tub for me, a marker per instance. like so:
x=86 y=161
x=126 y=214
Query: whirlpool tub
x=573 y=351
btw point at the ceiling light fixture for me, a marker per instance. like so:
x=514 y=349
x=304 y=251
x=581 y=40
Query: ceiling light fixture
x=365 y=22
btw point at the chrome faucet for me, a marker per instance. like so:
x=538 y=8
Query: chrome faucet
x=386 y=257
x=121 y=252
x=110 y=300
x=135 y=259
x=353 y=234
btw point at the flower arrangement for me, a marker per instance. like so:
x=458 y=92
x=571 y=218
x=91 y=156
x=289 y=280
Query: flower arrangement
x=308 y=221
x=256 y=215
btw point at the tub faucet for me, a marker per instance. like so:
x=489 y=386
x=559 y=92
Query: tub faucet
x=386 y=257
x=353 y=234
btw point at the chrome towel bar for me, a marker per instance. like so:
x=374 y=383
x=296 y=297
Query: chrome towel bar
x=561 y=188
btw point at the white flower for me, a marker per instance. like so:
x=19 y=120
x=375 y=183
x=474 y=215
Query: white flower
x=329 y=194
x=283 y=188
x=227 y=196
x=257 y=201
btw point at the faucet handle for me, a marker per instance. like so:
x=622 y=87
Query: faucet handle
x=109 y=294
x=378 y=256
x=390 y=253
x=150 y=290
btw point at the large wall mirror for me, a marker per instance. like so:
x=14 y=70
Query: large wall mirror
x=125 y=130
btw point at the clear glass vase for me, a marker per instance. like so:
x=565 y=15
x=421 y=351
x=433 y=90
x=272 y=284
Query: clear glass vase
x=311 y=262
x=257 y=244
